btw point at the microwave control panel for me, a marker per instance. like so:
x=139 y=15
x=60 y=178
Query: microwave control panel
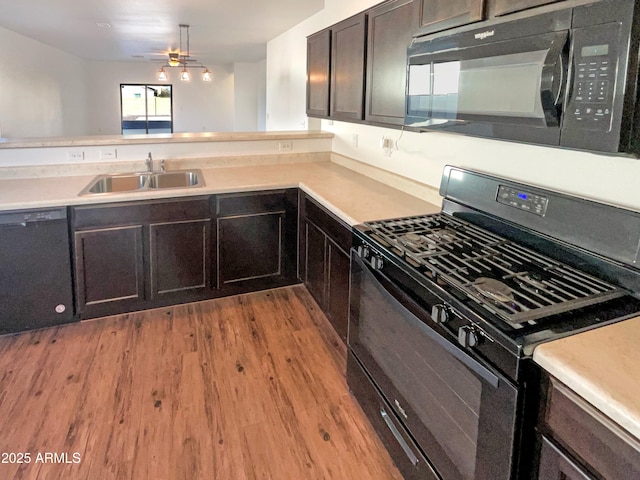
x=594 y=66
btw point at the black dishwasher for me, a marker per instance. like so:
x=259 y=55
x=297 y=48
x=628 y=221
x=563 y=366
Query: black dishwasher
x=35 y=270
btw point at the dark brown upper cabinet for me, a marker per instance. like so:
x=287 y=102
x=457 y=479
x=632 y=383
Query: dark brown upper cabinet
x=437 y=15
x=318 y=64
x=347 y=68
x=390 y=30
x=502 y=7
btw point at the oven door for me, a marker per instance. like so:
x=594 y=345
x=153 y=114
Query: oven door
x=461 y=413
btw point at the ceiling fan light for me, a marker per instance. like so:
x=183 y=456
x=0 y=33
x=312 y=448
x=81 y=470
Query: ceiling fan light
x=174 y=59
x=185 y=76
x=207 y=76
x=162 y=75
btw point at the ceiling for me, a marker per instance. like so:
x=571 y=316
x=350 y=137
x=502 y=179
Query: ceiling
x=221 y=31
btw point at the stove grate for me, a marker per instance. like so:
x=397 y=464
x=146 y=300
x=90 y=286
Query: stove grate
x=532 y=286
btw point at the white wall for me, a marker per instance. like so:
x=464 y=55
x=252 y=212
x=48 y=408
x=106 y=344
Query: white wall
x=46 y=92
x=612 y=179
x=249 y=85
x=197 y=106
x=262 y=96
x=42 y=89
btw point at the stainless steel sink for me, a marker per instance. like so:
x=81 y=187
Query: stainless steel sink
x=138 y=182
x=116 y=183
x=178 y=179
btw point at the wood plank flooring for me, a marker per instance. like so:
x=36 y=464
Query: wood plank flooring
x=239 y=388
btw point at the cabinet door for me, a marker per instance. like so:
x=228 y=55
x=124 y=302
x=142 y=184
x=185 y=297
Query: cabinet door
x=347 y=68
x=315 y=262
x=502 y=7
x=591 y=436
x=554 y=464
x=318 y=62
x=250 y=247
x=338 y=289
x=436 y=15
x=179 y=257
x=390 y=29
x=109 y=269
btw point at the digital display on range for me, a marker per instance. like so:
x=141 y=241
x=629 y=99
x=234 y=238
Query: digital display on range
x=526 y=201
x=594 y=50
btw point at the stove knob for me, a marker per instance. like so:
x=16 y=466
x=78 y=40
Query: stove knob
x=362 y=251
x=376 y=262
x=468 y=336
x=440 y=313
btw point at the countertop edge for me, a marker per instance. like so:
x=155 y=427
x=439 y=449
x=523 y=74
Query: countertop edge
x=97 y=140
x=573 y=362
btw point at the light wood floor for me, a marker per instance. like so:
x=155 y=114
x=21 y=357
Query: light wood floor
x=246 y=387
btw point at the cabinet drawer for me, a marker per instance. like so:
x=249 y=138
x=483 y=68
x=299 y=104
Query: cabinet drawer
x=339 y=232
x=249 y=203
x=132 y=213
x=591 y=436
x=555 y=464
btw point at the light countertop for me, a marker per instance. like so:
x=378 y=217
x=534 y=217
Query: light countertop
x=353 y=197
x=602 y=367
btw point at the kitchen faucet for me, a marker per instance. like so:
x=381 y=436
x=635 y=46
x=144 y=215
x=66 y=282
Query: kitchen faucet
x=149 y=164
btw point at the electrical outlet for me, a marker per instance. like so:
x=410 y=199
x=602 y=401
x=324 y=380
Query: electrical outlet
x=108 y=153
x=285 y=146
x=76 y=155
x=354 y=139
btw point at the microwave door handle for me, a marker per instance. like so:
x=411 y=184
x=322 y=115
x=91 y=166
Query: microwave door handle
x=553 y=78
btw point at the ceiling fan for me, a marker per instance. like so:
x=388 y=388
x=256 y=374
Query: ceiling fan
x=180 y=59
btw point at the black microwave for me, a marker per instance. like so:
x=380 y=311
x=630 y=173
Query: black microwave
x=553 y=76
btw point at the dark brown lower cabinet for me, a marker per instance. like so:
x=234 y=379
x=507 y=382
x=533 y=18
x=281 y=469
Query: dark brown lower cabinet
x=136 y=255
x=556 y=464
x=256 y=240
x=578 y=442
x=338 y=263
x=324 y=246
x=109 y=267
x=315 y=261
x=179 y=257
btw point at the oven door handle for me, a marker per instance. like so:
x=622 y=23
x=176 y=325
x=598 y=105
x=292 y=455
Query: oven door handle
x=411 y=306
x=401 y=441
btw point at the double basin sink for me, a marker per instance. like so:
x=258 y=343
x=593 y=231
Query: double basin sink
x=134 y=182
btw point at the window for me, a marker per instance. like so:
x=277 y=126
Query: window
x=146 y=109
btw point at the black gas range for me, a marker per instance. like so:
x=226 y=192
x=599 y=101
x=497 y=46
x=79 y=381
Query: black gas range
x=446 y=310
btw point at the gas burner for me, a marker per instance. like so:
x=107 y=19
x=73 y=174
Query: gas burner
x=412 y=239
x=494 y=290
x=442 y=236
x=419 y=243
x=532 y=280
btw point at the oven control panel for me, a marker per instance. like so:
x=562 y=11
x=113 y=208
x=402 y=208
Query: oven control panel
x=522 y=200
